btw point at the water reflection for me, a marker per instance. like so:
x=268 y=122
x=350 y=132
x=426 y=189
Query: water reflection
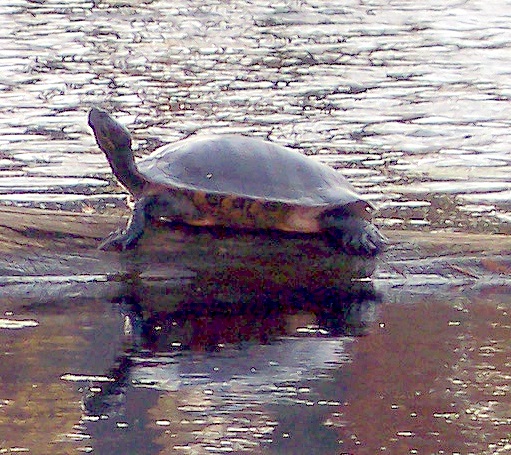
x=228 y=376
x=227 y=352
x=267 y=377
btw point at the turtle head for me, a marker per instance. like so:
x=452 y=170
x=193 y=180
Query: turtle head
x=115 y=141
x=111 y=136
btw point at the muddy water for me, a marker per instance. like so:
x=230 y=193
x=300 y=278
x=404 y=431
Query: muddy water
x=410 y=100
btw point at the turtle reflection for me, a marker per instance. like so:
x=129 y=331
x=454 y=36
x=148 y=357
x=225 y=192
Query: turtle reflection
x=253 y=344
x=244 y=321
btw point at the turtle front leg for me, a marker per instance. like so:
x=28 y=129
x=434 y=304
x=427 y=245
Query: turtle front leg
x=128 y=237
x=355 y=234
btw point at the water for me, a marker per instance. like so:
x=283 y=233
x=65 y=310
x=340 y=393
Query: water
x=432 y=396
x=427 y=372
x=396 y=94
x=408 y=99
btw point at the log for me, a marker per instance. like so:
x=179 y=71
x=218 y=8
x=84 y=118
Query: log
x=172 y=264
x=46 y=256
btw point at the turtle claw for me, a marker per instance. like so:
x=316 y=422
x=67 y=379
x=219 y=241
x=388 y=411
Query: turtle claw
x=360 y=245
x=357 y=245
x=356 y=235
x=121 y=239
x=372 y=241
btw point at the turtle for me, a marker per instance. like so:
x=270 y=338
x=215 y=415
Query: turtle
x=237 y=182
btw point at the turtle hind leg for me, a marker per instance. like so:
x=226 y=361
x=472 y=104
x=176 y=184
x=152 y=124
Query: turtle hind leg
x=356 y=235
x=127 y=237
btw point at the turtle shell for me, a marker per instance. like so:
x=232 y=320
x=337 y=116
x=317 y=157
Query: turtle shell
x=239 y=166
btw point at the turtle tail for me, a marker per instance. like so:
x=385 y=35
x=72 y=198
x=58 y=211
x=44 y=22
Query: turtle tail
x=355 y=234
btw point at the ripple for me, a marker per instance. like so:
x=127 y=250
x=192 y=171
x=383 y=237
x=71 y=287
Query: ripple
x=449 y=187
x=17 y=323
x=36 y=184
x=494 y=197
